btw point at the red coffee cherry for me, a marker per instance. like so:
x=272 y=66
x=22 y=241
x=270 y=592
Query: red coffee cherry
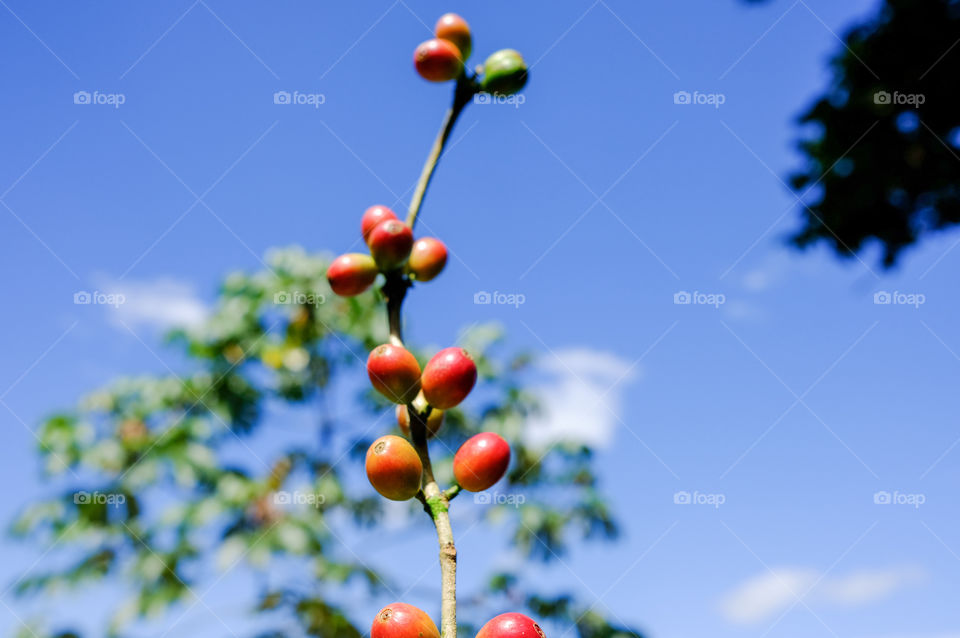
x=438 y=60
x=394 y=373
x=427 y=259
x=400 y=620
x=434 y=421
x=351 y=274
x=512 y=625
x=481 y=461
x=390 y=244
x=448 y=378
x=394 y=468
x=455 y=29
x=372 y=217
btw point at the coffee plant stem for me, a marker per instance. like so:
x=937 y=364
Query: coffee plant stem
x=466 y=88
x=435 y=501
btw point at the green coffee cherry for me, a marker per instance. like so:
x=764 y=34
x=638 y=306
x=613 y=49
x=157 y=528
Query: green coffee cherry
x=504 y=73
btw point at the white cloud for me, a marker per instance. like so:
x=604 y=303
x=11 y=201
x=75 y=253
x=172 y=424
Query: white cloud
x=766 y=595
x=581 y=397
x=867 y=585
x=160 y=303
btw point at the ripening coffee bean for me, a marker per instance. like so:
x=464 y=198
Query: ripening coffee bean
x=394 y=373
x=427 y=259
x=351 y=274
x=400 y=620
x=453 y=28
x=438 y=60
x=390 y=244
x=511 y=625
x=448 y=378
x=481 y=461
x=504 y=73
x=394 y=468
x=372 y=217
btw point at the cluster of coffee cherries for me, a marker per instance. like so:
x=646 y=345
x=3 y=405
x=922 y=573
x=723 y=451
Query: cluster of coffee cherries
x=401 y=620
x=393 y=465
x=444 y=58
x=392 y=248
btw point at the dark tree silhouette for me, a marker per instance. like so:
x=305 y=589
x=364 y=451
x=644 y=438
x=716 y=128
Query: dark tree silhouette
x=883 y=163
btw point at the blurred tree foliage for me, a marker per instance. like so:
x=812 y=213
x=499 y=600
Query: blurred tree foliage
x=204 y=465
x=882 y=162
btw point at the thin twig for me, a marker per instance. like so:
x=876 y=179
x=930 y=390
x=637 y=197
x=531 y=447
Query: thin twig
x=466 y=88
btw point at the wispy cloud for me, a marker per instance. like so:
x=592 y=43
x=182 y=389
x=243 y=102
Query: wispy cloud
x=581 y=398
x=768 y=275
x=777 y=268
x=867 y=585
x=765 y=595
x=159 y=303
x=740 y=310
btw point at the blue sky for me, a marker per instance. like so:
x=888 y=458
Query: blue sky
x=781 y=404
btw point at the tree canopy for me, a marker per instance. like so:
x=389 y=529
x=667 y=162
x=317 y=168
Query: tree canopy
x=882 y=157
